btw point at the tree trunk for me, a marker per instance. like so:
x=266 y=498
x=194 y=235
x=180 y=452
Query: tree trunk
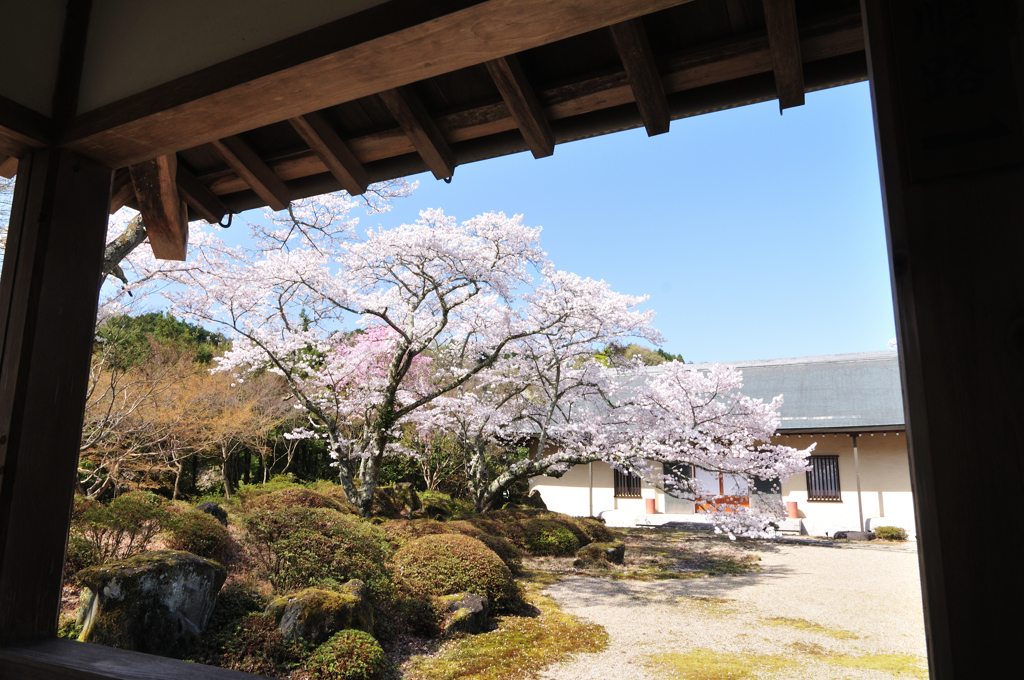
x=226 y=470
x=177 y=480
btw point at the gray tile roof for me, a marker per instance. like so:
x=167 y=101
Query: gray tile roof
x=847 y=391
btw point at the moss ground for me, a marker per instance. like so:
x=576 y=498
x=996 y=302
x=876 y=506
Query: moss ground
x=518 y=647
x=811 y=627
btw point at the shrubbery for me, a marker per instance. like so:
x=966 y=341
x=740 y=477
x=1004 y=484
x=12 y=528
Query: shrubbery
x=298 y=497
x=121 y=528
x=548 y=537
x=446 y=564
x=348 y=655
x=304 y=547
x=891 y=533
x=200 y=534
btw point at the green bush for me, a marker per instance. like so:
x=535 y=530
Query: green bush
x=297 y=497
x=402 y=531
x=594 y=529
x=123 y=527
x=547 y=537
x=891 y=533
x=200 y=534
x=446 y=564
x=304 y=547
x=81 y=553
x=509 y=554
x=436 y=503
x=348 y=655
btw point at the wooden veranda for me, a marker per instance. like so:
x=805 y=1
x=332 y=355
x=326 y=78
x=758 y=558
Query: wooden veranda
x=187 y=109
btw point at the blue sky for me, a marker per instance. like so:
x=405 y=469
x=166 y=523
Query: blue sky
x=756 y=235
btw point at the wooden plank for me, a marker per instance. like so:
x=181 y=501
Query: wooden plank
x=22 y=129
x=122 y=191
x=382 y=48
x=8 y=166
x=327 y=145
x=954 y=243
x=70 y=660
x=48 y=294
x=72 y=55
x=156 y=190
x=644 y=79
x=827 y=37
x=241 y=157
x=784 y=39
x=199 y=197
x=421 y=130
x=523 y=104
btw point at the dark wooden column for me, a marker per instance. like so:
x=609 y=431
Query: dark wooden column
x=945 y=79
x=48 y=294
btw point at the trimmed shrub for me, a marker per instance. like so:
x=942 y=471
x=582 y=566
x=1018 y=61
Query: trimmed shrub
x=298 y=497
x=123 y=527
x=402 y=531
x=200 y=534
x=568 y=523
x=546 y=537
x=446 y=564
x=595 y=529
x=600 y=555
x=81 y=553
x=891 y=533
x=348 y=655
x=509 y=554
x=437 y=504
x=305 y=547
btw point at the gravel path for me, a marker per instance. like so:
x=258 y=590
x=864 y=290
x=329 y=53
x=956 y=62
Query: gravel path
x=871 y=593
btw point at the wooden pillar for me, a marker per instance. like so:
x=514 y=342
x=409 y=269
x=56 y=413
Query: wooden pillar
x=48 y=295
x=945 y=85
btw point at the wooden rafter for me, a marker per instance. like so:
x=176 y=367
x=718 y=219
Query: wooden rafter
x=419 y=127
x=241 y=157
x=163 y=211
x=22 y=129
x=122 y=190
x=644 y=79
x=199 y=197
x=787 y=63
x=828 y=37
x=327 y=145
x=384 y=47
x=8 y=166
x=523 y=104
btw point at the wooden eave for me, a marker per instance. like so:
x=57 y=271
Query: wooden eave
x=710 y=55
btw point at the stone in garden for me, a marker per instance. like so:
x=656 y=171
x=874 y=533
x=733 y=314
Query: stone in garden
x=314 y=615
x=467 y=613
x=596 y=554
x=215 y=511
x=534 y=500
x=157 y=602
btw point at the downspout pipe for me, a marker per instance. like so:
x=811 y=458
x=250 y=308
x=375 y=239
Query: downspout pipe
x=856 y=467
x=591 y=488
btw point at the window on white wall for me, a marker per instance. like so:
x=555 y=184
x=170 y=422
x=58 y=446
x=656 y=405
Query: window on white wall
x=823 y=479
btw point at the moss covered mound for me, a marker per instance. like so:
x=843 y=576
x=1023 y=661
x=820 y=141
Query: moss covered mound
x=595 y=530
x=600 y=555
x=402 y=531
x=348 y=655
x=546 y=537
x=446 y=564
x=304 y=547
x=314 y=615
x=200 y=534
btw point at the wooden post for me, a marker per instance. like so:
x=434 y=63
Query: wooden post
x=856 y=470
x=48 y=295
x=945 y=79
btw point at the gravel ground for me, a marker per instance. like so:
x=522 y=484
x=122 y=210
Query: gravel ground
x=870 y=591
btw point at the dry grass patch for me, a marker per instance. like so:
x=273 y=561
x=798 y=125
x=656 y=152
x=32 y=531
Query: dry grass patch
x=519 y=647
x=893 y=664
x=811 y=627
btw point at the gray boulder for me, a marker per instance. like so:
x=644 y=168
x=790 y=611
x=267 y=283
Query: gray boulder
x=157 y=602
x=314 y=615
x=466 y=613
x=215 y=511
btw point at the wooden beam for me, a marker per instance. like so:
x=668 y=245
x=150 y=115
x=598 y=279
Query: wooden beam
x=784 y=39
x=22 y=129
x=48 y=294
x=199 y=197
x=523 y=104
x=419 y=127
x=122 y=191
x=327 y=145
x=384 y=47
x=8 y=166
x=72 y=55
x=72 y=660
x=163 y=211
x=644 y=79
x=241 y=158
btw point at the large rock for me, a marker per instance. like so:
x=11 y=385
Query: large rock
x=600 y=554
x=157 y=602
x=215 y=511
x=315 y=615
x=467 y=613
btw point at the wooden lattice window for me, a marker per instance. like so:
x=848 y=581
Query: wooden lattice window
x=627 y=485
x=823 y=479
